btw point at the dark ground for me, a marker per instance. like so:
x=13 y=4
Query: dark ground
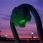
x=22 y=41
x=11 y=40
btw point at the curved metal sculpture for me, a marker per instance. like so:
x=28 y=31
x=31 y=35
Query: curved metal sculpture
x=21 y=16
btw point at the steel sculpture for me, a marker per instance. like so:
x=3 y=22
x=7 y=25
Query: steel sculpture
x=21 y=16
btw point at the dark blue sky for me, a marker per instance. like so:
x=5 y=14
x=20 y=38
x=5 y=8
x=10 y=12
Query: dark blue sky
x=6 y=7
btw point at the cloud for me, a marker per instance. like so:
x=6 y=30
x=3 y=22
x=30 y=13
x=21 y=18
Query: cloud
x=4 y=16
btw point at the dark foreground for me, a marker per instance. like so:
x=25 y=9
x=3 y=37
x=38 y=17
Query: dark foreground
x=22 y=41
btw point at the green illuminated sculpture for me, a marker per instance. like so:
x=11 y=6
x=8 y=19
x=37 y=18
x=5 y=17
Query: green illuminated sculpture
x=21 y=16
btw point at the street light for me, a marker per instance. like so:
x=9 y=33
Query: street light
x=6 y=35
x=32 y=34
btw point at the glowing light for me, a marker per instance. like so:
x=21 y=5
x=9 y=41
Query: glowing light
x=6 y=35
x=32 y=32
x=22 y=21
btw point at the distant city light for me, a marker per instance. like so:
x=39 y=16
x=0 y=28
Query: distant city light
x=32 y=32
x=6 y=35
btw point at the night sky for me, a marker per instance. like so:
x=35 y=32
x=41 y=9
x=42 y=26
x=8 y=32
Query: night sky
x=6 y=7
